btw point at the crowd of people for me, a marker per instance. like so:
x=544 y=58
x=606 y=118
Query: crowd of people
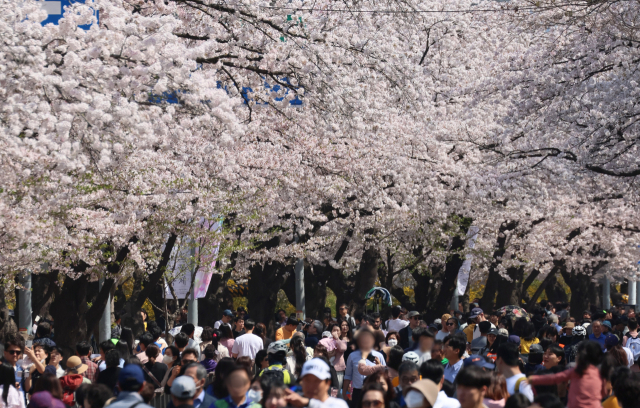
x=545 y=359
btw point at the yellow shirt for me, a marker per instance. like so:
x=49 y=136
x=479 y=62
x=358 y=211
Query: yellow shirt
x=524 y=344
x=469 y=332
x=611 y=402
x=284 y=334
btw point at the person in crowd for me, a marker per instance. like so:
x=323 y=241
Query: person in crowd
x=631 y=339
x=73 y=379
x=406 y=333
x=579 y=335
x=445 y=331
x=209 y=362
x=314 y=331
x=188 y=356
x=610 y=362
x=277 y=356
x=226 y=338
x=156 y=334
x=422 y=394
x=315 y=380
x=534 y=359
x=408 y=374
x=393 y=363
x=491 y=337
x=198 y=374
x=366 y=341
x=13 y=351
x=343 y=314
x=597 y=333
x=392 y=338
x=286 y=331
x=473 y=331
x=104 y=348
x=299 y=356
x=227 y=317
x=127 y=340
x=10 y=396
x=587 y=387
x=247 y=344
x=97 y=396
x=189 y=329
x=145 y=340
x=374 y=396
x=237 y=382
x=454 y=348
x=181 y=341
x=39 y=355
x=238 y=326
x=261 y=362
x=527 y=335
x=381 y=381
x=154 y=370
x=281 y=318
x=261 y=331
x=437 y=352
x=273 y=392
x=206 y=338
x=480 y=343
x=425 y=342
x=434 y=371
x=321 y=352
x=83 y=350
x=43 y=335
x=507 y=364
x=396 y=323
x=627 y=390
x=55 y=358
x=336 y=347
x=109 y=376
x=346 y=334
x=172 y=360
x=497 y=394
x=472 y=384
x=550 y=332
x=130 y=383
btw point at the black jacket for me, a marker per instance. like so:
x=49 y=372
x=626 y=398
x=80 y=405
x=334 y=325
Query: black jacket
x=406 y=337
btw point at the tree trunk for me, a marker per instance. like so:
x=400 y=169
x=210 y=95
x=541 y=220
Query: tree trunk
x=493 y=280
x=510 y=291
x=8 y=326
x=315 y=290
x=217 y=299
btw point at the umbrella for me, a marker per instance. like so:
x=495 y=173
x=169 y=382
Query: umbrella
x=380 y=294
x=513 y=312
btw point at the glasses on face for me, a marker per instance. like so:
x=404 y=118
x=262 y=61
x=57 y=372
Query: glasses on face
x=343 y=308
x=451 y=324
x=188 y=361
x=14 y=352
x=372 y=403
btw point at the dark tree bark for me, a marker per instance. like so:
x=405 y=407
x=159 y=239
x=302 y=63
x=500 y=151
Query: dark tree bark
x=510 y=291
x=315 y=290
x=493 y=280
x=218 y=299
x=550 y=277
x=8 y=326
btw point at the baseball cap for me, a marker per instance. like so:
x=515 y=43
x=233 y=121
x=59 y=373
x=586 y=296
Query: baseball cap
x=503 y=332
x=607 y=323
x=495 y=332
x=130 y=376
x=536 y=348
x=611 y=340
x=478 y=360
x=514 y=339
x=412 y=314
x=317 y=368
x=475 y=312
x=183 y=387
x=227 y=313
x=326 y=334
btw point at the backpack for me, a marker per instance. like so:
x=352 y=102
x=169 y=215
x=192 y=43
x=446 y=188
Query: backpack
x=633 y=343
x=278 y=374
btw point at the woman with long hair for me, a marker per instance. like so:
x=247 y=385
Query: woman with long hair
x=587 y=387
x=336 y=347
x=527 y=333
x=171 y=359
x=206 y=338
x=381 y=379
x=226 y=337
x=549 y=332
x=497 y=394
x=299 y=357
x=49 y=382
x=217 y=388
x=614 y=357
x=10 y=396
x=123 y=348
x=127 y=337
x=261 y=331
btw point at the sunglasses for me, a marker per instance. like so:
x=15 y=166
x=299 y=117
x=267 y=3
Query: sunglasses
x=343 y=308
x=451 y=324
x=15 y=352
x=372 y=404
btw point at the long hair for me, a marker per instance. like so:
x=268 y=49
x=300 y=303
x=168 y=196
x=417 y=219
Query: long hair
x=498 y=388
x=123 y=349
x=7 y=380
x=127 y=337
x=370 y=381
x=589 y=353
x=349 y=334
x=224 y=367
x=226 y=332
x=299 y=352
x=49 y=382
x=614 y=357
x=260 y=331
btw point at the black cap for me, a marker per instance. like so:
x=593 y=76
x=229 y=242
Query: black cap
x=484 y=327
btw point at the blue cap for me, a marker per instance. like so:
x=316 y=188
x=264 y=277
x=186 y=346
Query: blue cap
x=479 y=361
x=607 y=323
x=130 y=376
x=227 y=313
x=514 y=339
x=611 y=340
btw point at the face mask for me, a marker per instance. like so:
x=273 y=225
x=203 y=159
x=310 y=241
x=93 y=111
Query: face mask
x=393 y=342
x=167 y=360
x=254 y=396
x=414 y=399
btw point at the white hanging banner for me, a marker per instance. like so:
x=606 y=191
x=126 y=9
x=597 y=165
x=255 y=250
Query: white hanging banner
x=463 y=273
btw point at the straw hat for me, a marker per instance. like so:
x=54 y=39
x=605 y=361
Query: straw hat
x=75 y=365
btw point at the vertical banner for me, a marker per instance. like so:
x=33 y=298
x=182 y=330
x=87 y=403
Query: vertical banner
x=463 y=273
x=183 y=263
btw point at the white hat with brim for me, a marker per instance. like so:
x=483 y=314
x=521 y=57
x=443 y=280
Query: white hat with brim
x=317 y=368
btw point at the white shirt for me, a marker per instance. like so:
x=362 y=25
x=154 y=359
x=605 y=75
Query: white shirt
x=525 y=387
x=329 y=403
x=441 y=335
x=476 y=331
x=424 y=357
x=247 y=345
x=629 y=355
x=217 y=324
x=445 y=402
x=396 y=325
x=14 y=399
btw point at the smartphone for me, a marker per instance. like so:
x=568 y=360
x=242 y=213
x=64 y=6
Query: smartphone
x=371 y=358
x=29 y=343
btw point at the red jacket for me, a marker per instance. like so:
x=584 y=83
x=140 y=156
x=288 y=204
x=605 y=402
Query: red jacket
x=584 y=392
x=70 y=383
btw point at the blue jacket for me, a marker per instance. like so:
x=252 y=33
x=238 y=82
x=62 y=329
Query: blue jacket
x=127 y=398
